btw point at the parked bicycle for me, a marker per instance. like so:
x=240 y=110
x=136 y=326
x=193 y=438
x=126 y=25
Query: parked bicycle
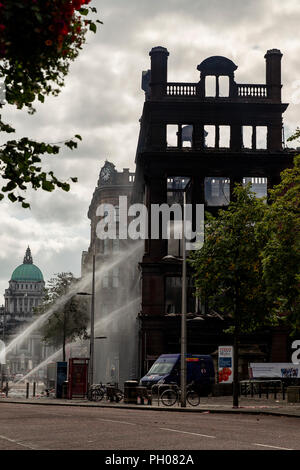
x=109 y=392
x=173 y=394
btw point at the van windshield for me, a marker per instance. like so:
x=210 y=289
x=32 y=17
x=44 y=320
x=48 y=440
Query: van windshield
x=161 y=368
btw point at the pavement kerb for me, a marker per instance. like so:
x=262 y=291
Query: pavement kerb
x=224 y=410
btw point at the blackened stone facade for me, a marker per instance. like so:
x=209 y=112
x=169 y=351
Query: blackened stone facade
x=231 y=133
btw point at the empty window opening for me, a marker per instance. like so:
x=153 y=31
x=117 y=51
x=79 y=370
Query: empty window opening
x=261 y=137
x=247 y=137
x=105 y=280
x=210 y=136
x=187 y=135
x=175 y=188
x=173 y=292
x=259 y=185
x=115 y=277
x=174 y=241
x=224 y=87
x=172 y=135
x=217 y=191
x=224 y=141
x=210 y=86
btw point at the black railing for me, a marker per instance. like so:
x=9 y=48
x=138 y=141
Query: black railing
x=181 y=89
x=260 y=388
x=193 y=90
x=252 y=91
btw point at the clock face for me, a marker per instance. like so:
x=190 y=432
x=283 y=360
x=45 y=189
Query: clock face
x=105 y=174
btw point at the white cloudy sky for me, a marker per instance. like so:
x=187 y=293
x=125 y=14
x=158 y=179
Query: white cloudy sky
x=102 y=101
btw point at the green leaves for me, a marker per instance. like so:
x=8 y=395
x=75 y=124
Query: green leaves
x=39 y=41
x=84 y=11
x=93 y=27
x=20 y=166
x=281 y=252
x=228 y=270
x=250 y=262
x=70 y=316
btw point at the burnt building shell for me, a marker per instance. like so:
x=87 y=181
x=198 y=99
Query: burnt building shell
x=247 y=110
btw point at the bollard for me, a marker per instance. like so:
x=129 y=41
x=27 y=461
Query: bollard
x=267 y=392
x=259 y=390
x=275 y=391
x=252 y=390
x=6 y=390
x=33 y=390
x=27 y=390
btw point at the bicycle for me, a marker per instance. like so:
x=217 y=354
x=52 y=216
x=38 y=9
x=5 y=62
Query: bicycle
x=99 y=391
x=96 y=392
x=170 y=396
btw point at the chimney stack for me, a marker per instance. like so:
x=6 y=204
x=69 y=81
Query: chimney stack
x=273 y=73
x=159 y=71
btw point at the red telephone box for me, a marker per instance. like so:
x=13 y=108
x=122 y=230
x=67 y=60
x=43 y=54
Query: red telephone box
x=78 y=377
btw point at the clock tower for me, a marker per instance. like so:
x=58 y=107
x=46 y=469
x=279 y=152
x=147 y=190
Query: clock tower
x=107 y=174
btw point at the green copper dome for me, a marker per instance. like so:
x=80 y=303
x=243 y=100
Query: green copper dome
x=27 y=271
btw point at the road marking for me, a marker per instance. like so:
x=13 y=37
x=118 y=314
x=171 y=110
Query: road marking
x=272 y=447
x=119 y=422
x=186 y=432
x=16 y=442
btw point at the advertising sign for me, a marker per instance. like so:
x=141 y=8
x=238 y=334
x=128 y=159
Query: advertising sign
x=225 y=366
x=61 y=377
x=281 y=370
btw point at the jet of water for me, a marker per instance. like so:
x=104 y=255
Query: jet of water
x=99 y=325
x=80 y=286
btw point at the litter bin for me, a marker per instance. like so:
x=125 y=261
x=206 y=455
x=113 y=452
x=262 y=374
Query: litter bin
x=130 y=391
x=64 y=391
x=142 y=396
x=293 y=394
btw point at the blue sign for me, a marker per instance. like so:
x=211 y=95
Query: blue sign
x=61 y=377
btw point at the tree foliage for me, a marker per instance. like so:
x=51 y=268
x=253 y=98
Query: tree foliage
x=281 y=252
x=38 y=41
x=228 y=269
x=70 y=317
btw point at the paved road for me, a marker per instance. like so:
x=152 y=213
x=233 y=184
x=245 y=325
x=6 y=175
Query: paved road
x=55 y=428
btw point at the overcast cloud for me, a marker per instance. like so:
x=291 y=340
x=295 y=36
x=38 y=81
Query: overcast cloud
x=102 y=101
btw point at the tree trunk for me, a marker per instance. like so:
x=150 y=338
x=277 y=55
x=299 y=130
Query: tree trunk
x=237 y=320
x=236 y=387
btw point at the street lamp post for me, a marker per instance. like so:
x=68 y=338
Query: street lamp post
x=183 y=340
x=3 y=341
x=92 y=333
x=92 y=338
x=183 y=313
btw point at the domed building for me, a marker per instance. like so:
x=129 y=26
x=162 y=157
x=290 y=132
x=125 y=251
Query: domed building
x=25 y=292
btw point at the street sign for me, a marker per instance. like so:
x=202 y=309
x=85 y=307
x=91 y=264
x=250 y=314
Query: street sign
x=225 y=365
